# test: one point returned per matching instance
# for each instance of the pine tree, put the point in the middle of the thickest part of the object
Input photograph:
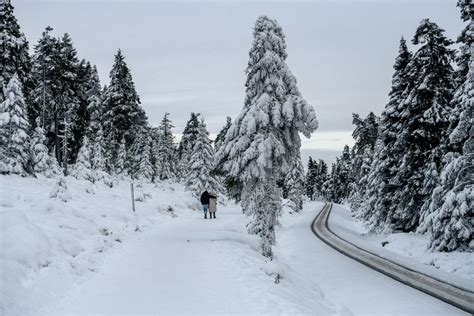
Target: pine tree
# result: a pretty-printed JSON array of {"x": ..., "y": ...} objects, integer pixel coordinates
[
  {"x": 14, "y": 127},
  {"x": 60, "y": 190},
  {"x": 120, "y": 164},
  {"x": 166, "y": 155},
  {"x": 186, "y": 145},
  {"x": 42, "y": 162},
  {"x": 264, "y": 139},
  {"x": 142, "y": 154},
  {"x": 123, "y": 116},
  {"x": 311, "y": 176},
  {"x": 14, "y": 57},
  {"x": 448, "y": 216},
  {"x": 199, "y": 178},
  {"x": 82, "y": 169},
  {"x": 425, "y": 125},
  {"x": 294, "y": 185},
  {"x": 378, "y": 200},
  {"x": 321, "y": 178},
  {"x": 98, "y": 160},
  {"x": 220, "y": 138}
]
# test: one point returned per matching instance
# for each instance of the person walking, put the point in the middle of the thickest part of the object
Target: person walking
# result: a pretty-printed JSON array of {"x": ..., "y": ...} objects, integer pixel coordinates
[
  {"x": 212, "y": 204},
  {"x": 205, "y": 197}
]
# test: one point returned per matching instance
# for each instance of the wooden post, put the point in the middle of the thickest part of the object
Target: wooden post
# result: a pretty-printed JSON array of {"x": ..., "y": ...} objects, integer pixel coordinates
[{"x": 133, "y": 196}]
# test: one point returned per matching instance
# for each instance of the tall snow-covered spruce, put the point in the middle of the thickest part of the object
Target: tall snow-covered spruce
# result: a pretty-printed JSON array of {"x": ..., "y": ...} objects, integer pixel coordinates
[
  {"x": 14, "y": 128},
  {"x": 200, "y": 177},
  {"x": 263, "y": 141},
  {"x": 449, "y": 215}
]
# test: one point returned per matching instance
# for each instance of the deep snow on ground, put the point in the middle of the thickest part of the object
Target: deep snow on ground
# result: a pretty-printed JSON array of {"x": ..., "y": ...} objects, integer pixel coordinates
[
  {"x": 345, "y": 281},
  {"x": 408, "y": 249},
  {"x": 94, "y": 255}
]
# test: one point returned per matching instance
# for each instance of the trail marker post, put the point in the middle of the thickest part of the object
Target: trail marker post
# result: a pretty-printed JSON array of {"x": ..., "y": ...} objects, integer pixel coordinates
[{"x": 133, "y": 196}]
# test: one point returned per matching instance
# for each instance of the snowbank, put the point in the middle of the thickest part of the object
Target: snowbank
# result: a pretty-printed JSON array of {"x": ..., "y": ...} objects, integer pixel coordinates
[
  {"x": 48, "y": 245},
  {"x": 408, "y": 249}
]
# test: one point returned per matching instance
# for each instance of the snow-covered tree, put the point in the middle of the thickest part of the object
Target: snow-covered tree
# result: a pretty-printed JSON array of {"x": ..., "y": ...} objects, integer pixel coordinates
[
  {"x": 94, "y": 104},
  {"x": 82, "y": 169},
  {"x": 448, "y": 216},
  {"x": 98, "y": 160},
  {"x": 123, "y": 116},
  {"x": 60, "y": 190},
  {"x": 220, "y": 138},
  {"x": 311, "y": 176},
  {"x": 166, "y": 151},
  {"x": 199, "y": 178},
  {"x": 321, "y": 178},
  {"x": 294, "y": 185},
  {"x": 378, "y": 200},
  {"x": 186, "y": 145},
  {"x": 142, "y": 153},
  {"x": 14, "y": 127},
  {"x": 424, "y": 125},
  {"x": 263, "y": 141},
  {"x": 14, "y": 57},
  {"x": 121, "y": 163},
  {"x": 41, "y": 160}
]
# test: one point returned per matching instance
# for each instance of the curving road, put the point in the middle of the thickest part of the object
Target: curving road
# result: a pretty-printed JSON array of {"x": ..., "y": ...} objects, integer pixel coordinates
[{"x": 458, "y": 297}]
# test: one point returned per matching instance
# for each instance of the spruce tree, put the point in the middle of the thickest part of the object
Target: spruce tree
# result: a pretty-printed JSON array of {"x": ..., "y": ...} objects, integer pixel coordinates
[
  {"x": 186, "y": 145},
  {"x": 121, "y": 163},
  {"x": 14, "y": 128},
  {"x": 448, "y": 216},
  {"x": 123, "y": 116},
  {"x": 166, "y": 152},
  {"x": 311, "y": 176},
  {"x": 220, "y": 138},
  {"x": 378, "y": 200},
  {"x": 14, "y": 57},
  {"x": 142, "y": 154},
  {"x": 263, "y": 141},
  {"x": 321, "y": 177},
  {"x": 425, "y": 124},
  {"x": 294, "y": 185},
  {"x": 42, "y": 162},
  {"x": 82, "y": 169},
  {"x": 199, "y": 178}
]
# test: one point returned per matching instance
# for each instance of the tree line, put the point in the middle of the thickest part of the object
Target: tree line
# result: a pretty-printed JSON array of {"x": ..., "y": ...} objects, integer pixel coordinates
[{"x": 412, "y": 168}]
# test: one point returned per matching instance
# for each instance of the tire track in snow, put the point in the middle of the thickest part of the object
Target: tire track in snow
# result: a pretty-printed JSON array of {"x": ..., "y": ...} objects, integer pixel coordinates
[{"x": 451, "y": 294}]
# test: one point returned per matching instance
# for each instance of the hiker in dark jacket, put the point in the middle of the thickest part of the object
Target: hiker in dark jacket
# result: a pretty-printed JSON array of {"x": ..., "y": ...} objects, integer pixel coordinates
[{"x": 205, "y": 197}]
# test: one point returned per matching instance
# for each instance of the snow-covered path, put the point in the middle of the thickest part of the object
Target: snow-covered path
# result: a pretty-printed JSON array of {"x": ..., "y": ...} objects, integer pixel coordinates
[
  {"x": 193, "y": 266},
  {"x": 187, "y": 266}
]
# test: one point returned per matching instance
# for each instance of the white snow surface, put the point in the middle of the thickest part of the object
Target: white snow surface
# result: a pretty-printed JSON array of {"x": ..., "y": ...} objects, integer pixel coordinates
[
  {"x": 86, "y": 256},
  {"x": 407, "y": 249}
]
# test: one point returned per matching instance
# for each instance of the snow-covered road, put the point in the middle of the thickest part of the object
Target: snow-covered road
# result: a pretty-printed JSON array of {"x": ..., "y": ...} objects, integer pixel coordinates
[{"x": 194, "y": 266}]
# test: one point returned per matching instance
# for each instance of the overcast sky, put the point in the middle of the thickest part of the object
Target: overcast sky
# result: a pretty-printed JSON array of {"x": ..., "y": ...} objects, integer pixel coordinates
[{"x": 190, "y": 55}]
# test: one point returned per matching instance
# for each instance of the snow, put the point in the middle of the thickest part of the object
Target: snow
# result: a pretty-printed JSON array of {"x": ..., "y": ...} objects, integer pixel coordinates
[
  {"x": 407, "y": 249},
  {"x": 94, "y": 255}
]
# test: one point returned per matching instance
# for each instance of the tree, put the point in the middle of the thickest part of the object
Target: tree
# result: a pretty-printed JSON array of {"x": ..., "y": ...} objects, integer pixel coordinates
[
  {"x": 42, "y": 162},
  {"x": 448, "y": 215},
  {"x": 263, "y": 141},
  {"x": 186, "y": 145},
  {"x": 424, "y": 125},
  {"x": 121, "y": 162},
  {"x": 378, "y": 200},
  {"x": 166, "y": 155},
  {"x": 321, "y": 177},
  {"x": 220, "y": 138},
  {"x": 14, "y": 127},
  {"x": 294, "y": 185},
  {"x": 142, "y": 154},
  {"x": 199, "y": 178},
  {"x": 14, "y": 57},
  {"x": 123, "y": 117},
  {"x": 311, "y": 176},
  {"x": 82, "y": 169}
]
